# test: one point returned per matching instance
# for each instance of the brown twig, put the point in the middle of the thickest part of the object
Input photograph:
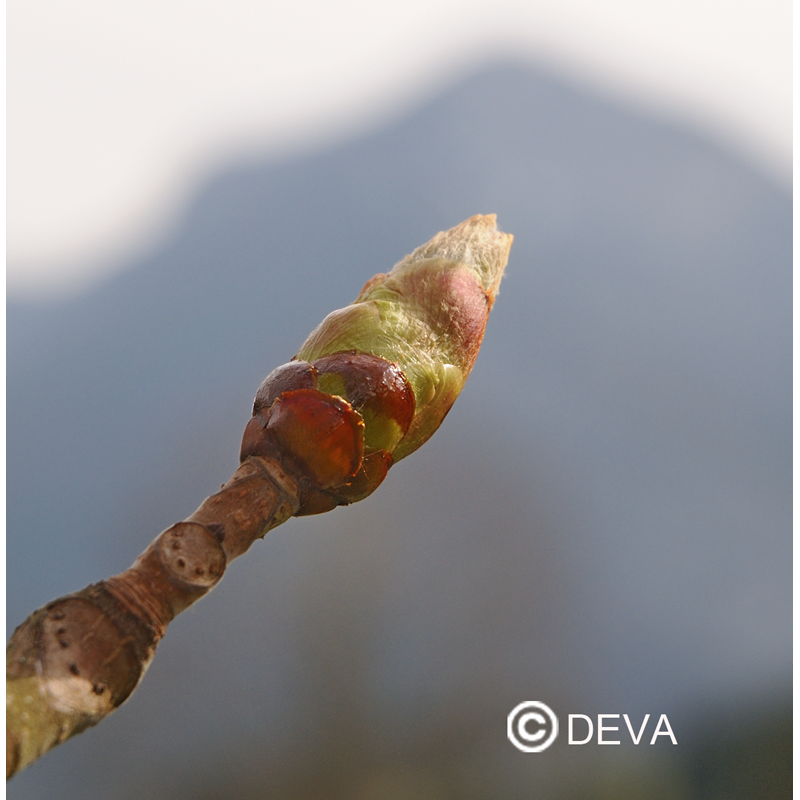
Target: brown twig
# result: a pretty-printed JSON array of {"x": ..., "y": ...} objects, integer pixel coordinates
[{"x": 369, "y": 386}]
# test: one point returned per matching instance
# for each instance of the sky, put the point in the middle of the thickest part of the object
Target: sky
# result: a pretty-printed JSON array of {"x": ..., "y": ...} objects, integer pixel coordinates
[{"x": 117, "y": 112}]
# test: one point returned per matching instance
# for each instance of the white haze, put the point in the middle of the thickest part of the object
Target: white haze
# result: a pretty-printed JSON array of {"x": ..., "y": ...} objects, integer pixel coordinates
[{"x": 117, "y": 111}]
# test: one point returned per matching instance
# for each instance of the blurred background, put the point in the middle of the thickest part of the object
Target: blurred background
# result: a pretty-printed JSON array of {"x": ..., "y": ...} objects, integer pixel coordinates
[{"x": 602, "y": 522}]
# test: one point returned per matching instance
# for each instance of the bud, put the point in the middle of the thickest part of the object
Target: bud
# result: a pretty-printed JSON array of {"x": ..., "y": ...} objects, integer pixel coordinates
[
  {"x": 375, "y": 380},
  {"x": 427, "y": 316}
]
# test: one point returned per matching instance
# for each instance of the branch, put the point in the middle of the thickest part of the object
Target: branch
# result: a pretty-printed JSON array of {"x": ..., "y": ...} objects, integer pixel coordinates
[{"x": 370, "y": 385}]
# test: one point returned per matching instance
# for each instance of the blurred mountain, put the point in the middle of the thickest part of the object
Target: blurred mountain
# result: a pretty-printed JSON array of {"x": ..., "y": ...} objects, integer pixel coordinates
[{"x": 602, "y": 523}]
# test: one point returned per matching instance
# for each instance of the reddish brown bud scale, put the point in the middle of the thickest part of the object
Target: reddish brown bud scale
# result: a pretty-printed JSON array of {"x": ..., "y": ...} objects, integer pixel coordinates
[
  {"x": 377, "y": 389},
  {"x": 373, "y": 470},
  {"x": 321, "y": 433},
  {"x": 294, "y": 375},
  {"x": 306, "y": 415},
  {"x": 256, "y": 439}
]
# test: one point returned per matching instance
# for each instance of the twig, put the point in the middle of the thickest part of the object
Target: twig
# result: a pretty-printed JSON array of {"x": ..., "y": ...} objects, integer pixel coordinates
[{"x": 369, "y": 386}]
